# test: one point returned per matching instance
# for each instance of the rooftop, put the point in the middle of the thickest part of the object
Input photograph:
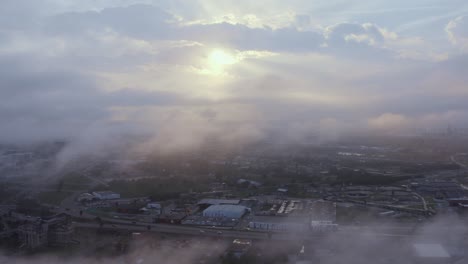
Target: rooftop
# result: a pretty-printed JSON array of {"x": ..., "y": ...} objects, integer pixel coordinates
[
  {"x": 104, "y": 192},
  {"x": 218, "y": 201},
  {"x": 226, "y": 207},
  {"x": 430, "y": 251}
]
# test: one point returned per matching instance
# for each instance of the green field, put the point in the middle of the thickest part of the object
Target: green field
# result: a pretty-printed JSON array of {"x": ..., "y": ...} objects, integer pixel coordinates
[{"x": 52, "y": 197}]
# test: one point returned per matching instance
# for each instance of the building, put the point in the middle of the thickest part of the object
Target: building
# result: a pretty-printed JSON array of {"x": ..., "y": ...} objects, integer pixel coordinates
[
  {"x": 430, "y": 253},
  {"x": 239, "y": 247},
  {"x": 152, "y": 209},
  {"x": 38, "y": 233},
  {"x": 86, "y": 198},
  {"x": 106, "y": 195},
  {"x": 175, "y": 219},
  {"x": 226, "y": 211},
  {"x": 462, "y": 201},
  {"x": 208, "y": 202},
  {"x": 323, "y": 226},
  {"x": 273, "y": 223},
  {"x": 322, "y": 211},
  {"x": 283, "y": 208},
  {"x": 249, "y": 183},
  {"x": 33, "y": 235},
  {"x": 282, "y": 191},
  {"x": 296, "y": 215}
]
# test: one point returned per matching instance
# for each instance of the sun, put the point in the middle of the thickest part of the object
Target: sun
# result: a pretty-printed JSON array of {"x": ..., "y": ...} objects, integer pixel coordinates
[{"x": 219, "y": 59}]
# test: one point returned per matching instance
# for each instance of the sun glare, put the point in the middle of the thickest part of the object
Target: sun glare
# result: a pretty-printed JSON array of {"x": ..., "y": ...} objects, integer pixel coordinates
[
  {"x": 218, "y": 60},
  {"x": 220, "y": 57}
]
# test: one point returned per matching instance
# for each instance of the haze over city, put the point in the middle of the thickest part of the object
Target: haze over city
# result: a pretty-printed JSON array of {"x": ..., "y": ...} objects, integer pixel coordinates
[{"x": 187, "y": 112}]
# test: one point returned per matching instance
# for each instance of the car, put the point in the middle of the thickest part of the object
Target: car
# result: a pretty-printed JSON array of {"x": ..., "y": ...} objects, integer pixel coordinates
[
  {"x": 219, "y": 233},
  {"x": 202, "y": 231}
]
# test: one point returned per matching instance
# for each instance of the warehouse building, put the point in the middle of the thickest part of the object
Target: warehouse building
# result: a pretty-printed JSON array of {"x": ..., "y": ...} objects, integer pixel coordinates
[
  {"x": 106, "y": 195},
  {"x": 430, "y": 253},
  {"x": 273, "y": 223},
  {"x": 226, "y": 210},
  {"x": 209, "y": 201}
]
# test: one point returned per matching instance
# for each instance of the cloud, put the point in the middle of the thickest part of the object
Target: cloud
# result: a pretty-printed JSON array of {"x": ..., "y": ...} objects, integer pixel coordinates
[
  {"x": 190, "y": 127},
  {"x": 395, "y": 124},
  {"x": 366, "y": 40},
  {"x": 457, "y": 32},
  {"x": 242, "y": 37},
  {"x": 147, "y": 248},
  {"x": 390, "y": 123},
  {"x": 141, "y": 21},
  {"x": 151, "y": 23},
  {"x": 42, "y": 102},
  {"x": 94, "y": 72}
]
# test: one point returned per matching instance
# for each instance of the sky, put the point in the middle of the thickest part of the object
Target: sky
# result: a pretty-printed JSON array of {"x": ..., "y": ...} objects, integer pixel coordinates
[{"x": 183, "y": 72}]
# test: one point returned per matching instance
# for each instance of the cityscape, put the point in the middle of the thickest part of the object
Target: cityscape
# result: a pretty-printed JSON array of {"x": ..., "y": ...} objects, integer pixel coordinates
[{"x": 306, "y": 201}]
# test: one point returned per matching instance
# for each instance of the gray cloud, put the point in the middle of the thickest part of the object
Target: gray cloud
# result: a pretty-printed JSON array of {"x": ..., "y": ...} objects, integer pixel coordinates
[
  {"x": 94, "y": 75},
  {"x": 140, "y": 21}
]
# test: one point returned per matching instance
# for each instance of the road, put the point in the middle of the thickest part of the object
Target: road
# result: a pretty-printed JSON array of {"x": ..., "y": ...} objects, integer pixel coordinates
[
  {"x": 454, "y": 160},
  {"x": 389, "y": 230},
  {"x": 345, "y": 231},
  {"x": 423, "y": 201},
  {"x": 395, "y": 230}
]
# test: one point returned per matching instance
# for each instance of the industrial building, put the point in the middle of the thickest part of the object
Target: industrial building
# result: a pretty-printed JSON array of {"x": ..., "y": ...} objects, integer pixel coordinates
[
  {"x": 281, "y": 207},
  {"x": 208, "y": 202},
  {"x": 226, "y": 210},
  {"x": 322, "y": 211},
  {"x": 273, "y": 223},
  {"x": 430, "y": 253},
  {"x": 296, "y": 215},
  {"x": 86, "y": 198},
  {"x": 106, "y": 195},
  {"x": 323, "y": 226},
  {"x": 152, "y": 209}
]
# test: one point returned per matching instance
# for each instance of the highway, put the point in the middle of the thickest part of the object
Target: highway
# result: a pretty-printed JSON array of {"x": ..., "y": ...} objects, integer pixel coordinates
[
  {"x": 401, "y": 231},
  {"x": 392, "y": 230},
  {"x": 385, "y": 231},
  {"x": 178, "y": 230},
  {"x": 344, "y": 231}
]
